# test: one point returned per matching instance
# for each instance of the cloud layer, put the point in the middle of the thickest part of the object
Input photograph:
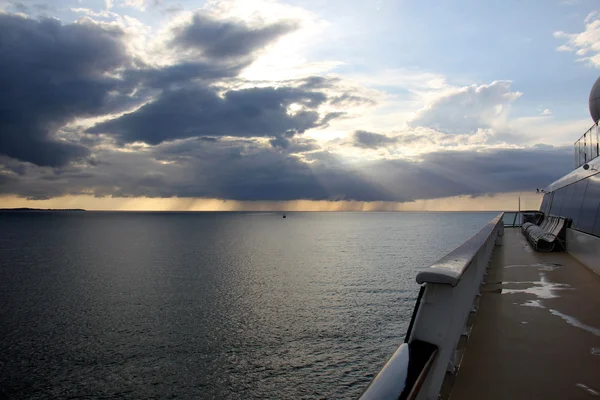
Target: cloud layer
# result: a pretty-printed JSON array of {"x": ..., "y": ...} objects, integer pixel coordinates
[
  {"x": 200, "y": 111},
  {"x": 84, "y": 111},
  {"x": 247, "y": 170},
  {"x": 51, "y": 74}
]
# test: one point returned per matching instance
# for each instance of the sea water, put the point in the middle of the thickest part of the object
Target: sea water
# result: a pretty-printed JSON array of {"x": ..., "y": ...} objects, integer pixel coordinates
[{"x": 210, "y": 305}]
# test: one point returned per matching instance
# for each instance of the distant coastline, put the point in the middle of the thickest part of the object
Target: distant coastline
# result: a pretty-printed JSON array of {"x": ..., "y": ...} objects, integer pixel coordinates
[{"x": 26, "y": 209}]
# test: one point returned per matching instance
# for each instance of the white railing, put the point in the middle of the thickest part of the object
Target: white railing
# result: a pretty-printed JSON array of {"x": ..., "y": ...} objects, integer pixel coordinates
[{"x": 448, "y": 292}]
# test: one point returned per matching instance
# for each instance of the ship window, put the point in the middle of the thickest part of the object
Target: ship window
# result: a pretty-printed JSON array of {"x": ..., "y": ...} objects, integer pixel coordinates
[
  {"x": 589, "y": 207},
  {"x": 557, "y": 201},
  {"x": 572, "y": 204},
  {"x": 566, "y": 208}
]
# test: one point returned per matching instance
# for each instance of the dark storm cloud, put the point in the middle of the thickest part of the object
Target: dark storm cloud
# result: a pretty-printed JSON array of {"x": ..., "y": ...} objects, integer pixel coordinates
[
  {"x": 222, "y": 40},
  {"x": 501, "y": 170},
  {"x": 188, "y": 104},
  {"x": 257, "y": 173},
  {"x": 182, "y": 74},
  {"x": 245, "y": 169},
  {"x": 200, "y": 111},
  {"x": 239, "y": 170},
  {"x": 453, "y": 173},
  {"x": 369, "y": 140},
  {"x": 439, "y": 174},
  {"x": 52, "y": 74},
  {"x": 49, "y": 75}
]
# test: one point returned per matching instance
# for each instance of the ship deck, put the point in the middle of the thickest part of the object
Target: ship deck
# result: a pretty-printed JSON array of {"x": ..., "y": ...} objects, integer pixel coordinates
[{"x": 536, "y": 333}]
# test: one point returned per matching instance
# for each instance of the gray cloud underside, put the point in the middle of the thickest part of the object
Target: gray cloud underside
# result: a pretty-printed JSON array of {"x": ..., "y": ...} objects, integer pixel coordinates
[
  {"x": 225, "y": 40},
  {"x": 52, "y": 74},
  {"x": 370, "y": 140},
  {"x": 199, "y": 111},
  {"x": 247, "y": 170},
  {"x": 49, "y": 75}
]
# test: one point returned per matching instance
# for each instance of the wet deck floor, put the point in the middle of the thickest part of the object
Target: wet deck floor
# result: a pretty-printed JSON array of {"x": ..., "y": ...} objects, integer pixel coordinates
[{"x": 536, "y": 334}]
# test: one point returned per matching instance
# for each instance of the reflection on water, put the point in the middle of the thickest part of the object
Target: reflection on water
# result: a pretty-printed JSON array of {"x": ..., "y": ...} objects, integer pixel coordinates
[{"x": 211, "y": 305}]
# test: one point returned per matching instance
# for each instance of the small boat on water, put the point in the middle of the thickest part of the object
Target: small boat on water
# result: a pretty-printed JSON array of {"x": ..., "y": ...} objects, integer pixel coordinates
[{"x": 284, "y": 215}]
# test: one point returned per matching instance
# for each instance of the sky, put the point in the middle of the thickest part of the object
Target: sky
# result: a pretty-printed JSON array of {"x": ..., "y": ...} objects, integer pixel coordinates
[{"x": 297, "y": 105}]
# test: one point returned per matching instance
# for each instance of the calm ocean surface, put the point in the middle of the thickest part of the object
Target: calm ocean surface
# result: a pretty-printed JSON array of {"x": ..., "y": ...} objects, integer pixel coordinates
[{"x": 210, "y": 305}]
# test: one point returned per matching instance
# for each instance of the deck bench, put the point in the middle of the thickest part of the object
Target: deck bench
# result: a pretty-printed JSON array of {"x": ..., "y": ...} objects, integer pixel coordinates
[{"x": 549, "y": 235}]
